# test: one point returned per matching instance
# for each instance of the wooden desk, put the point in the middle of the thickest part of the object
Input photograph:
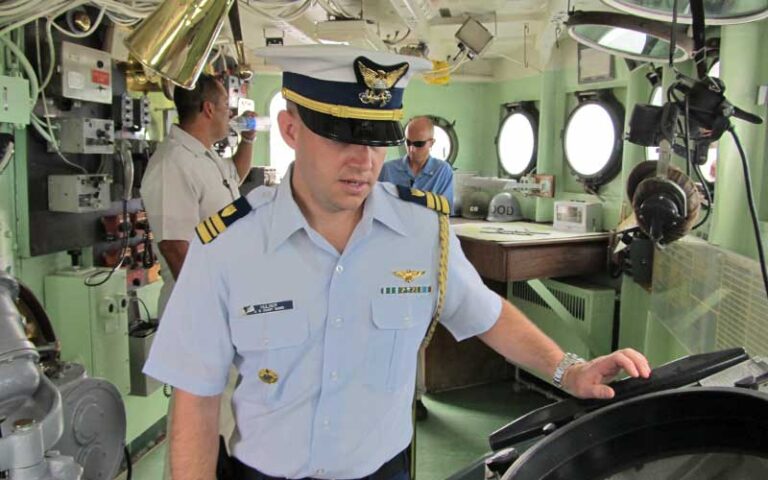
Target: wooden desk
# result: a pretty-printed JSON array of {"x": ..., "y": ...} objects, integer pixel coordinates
[
  {"x": 522, "y": 257},
  {"x": 450, "y": 364}
]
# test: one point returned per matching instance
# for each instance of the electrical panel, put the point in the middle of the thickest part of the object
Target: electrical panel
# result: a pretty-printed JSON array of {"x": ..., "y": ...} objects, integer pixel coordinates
[
  {"x": 132, "y": 115},
  {"x": 236, "y": 89},
  {"x": 15, "y": 106},
  {"x": 86, "y": 73},
  {"x": 87, "y": 135},
  {"x": 78, "y": 193}
]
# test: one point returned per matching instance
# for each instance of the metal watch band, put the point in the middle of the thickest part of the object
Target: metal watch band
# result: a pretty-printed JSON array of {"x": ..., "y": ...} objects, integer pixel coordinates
[{"x": 568, "y": 360}]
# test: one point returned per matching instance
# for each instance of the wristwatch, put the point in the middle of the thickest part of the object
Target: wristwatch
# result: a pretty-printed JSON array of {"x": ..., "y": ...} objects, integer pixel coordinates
[{"x": 568, "y": 361}]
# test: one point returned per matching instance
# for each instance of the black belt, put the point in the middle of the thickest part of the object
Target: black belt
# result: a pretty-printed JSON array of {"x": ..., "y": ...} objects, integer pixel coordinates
[{"x": 398, "y": 464}]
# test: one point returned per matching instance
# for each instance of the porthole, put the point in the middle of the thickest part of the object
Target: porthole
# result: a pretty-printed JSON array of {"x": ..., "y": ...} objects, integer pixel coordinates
[
  {"x": 593, "y": 140},
  {"x": 517, "y": 141},
  {"x": 446, "y": 144}
]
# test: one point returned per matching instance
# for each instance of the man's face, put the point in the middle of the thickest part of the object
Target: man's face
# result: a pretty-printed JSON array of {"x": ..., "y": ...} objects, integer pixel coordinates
[
  {"x": 334, "y": 176},
  {"x": 418, "y": 140},
  {"x": 219, "y": 113}
]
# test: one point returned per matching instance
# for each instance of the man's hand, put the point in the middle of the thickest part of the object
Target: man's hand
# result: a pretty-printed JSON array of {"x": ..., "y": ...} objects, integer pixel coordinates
[
  {"x": 587, "y": 380},
  {"x": 248, "y": 134}
]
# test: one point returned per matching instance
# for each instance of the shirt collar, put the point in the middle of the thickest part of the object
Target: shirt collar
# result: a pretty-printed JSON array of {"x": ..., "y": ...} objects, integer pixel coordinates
[
  {"x": 286, "y": 215},
  {"x": 189, "y": 142},
  {"x": 287, "y": 218},
  {"x": 429, "y": 167},
  {"x": 379, "y": 207}
]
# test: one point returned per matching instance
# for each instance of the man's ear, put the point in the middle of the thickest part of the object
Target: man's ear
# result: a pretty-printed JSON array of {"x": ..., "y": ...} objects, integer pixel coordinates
[
  {"x": 206, "y": 109},
  {"x": 289, "y": 124}
]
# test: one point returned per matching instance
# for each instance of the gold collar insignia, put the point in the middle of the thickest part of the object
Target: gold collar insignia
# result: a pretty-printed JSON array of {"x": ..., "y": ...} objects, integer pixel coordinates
[
  {"x": 379, "y": 79},
  {"x": 408, "y": 275}
]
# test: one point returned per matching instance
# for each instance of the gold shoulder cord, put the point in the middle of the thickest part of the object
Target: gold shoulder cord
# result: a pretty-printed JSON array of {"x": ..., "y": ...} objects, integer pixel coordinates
[{"x": 442, "y": 279}]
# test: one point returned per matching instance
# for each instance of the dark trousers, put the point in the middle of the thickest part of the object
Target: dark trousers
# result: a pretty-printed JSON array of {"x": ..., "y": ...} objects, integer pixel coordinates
[{"x": 398, "y": 468}]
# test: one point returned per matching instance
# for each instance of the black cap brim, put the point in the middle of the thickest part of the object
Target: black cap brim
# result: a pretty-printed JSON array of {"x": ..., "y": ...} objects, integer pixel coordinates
[{"x": 374, "y": 133}]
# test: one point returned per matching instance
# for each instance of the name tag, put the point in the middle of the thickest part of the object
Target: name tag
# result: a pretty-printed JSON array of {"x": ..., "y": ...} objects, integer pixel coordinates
[{"x": 268, "y": 307}]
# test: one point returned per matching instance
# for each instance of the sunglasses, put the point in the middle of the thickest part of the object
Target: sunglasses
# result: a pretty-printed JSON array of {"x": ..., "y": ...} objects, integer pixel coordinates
[{"x": 416, "y": 143}]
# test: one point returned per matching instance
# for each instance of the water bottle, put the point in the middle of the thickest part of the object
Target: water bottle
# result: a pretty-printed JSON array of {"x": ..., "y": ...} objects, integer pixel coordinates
[{"x": 247, "y": 123}]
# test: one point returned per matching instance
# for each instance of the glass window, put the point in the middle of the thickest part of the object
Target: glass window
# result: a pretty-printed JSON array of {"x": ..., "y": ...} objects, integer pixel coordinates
[
  {"x": 442, "y": 147},
  {"x": 592, "y": 141},
  {"x": 280, "y": 154},
  {"x": 446, "y": 146},
  {"x": 516, "y": 145}
]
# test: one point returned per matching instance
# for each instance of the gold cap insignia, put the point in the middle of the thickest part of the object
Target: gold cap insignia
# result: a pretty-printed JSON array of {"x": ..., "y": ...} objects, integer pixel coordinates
[
  {"x": 268, "y": 376},
  {"x": 408, "y": 275},
  {"x": 379, "y": 79}
]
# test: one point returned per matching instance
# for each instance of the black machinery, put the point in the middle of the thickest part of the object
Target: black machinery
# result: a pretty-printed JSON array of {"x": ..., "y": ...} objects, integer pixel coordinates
[{"x": 702, "y": 417}]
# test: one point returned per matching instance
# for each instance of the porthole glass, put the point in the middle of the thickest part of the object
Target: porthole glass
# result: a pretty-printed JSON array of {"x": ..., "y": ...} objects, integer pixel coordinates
[
  {"x": 517, "y": 142},
  {"x": 657, "y": 99},
  {"x": 592, "y": 141},
  {"x": 442, "y": 147},
  {"x": 446, "y": 146}
]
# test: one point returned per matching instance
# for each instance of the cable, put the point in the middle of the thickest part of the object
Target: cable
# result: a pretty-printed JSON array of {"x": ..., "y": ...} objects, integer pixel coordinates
[
  {"x": 51, "y": 138},
  {"x": 87, "y": 32},
  {"x": 751, "y": 203},
  {"x": 128, "y": 463},
  {"x": 89, "y": 280},
  {"x": 146, "y": 309},
  {"x": 690, "y": 164}
]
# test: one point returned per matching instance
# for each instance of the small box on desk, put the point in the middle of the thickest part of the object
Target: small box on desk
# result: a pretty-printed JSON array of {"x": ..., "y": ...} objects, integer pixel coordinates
[{"x": 578, "y": 216}]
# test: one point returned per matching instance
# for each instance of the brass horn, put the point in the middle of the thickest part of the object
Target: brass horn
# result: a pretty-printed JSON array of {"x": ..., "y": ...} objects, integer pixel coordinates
[{"x": 176, "y": 39}]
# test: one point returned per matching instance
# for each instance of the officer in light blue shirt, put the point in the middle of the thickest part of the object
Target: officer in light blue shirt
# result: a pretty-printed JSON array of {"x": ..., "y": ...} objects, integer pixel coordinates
[
  {"x": 419, "y": 169},
  {"x": 320, "y": 291}
]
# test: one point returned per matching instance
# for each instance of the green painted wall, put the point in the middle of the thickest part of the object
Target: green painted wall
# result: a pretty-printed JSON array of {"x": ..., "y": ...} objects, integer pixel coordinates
[{"x": 476, "y": 109}]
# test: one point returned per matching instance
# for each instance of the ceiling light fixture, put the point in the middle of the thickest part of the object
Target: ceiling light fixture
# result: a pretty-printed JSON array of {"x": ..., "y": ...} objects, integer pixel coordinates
[
  {"x": 627, "y": 36},
  {"x": 717, "y": 12}
]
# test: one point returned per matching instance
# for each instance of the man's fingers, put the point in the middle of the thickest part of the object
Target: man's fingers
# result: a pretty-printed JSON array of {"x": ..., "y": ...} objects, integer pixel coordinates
[
  {"x": 640, "y": 361},
  {"x": 601, "y": 391}
]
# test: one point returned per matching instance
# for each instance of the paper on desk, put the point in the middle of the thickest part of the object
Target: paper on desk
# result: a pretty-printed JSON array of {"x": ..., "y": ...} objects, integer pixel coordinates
[{"x": 517, "y": 232}]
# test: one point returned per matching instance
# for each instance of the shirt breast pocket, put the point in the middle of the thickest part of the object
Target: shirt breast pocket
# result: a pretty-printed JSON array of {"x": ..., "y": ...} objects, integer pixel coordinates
[
  {"x": 400, "y": 323},
  {"x": 270, "y": 345}
]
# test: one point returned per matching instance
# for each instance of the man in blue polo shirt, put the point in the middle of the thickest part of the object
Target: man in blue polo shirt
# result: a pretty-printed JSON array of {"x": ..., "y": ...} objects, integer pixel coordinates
[{"x": 418, "y": 169}]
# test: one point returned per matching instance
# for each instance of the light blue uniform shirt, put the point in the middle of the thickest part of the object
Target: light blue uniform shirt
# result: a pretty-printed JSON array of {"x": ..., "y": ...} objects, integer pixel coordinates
[
  {"x": 436, "y": 176},
  {"x": 271, "y": 293}
]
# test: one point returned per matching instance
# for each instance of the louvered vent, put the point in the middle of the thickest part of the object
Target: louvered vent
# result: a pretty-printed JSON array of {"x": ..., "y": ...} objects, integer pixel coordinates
[
  {"x": 592, "y": 306},
  {"x": 575, "y": 304}
]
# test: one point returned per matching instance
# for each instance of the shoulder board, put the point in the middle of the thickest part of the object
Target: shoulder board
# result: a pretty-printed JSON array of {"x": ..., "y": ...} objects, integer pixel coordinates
[
  {"x": 213, "y": 226},
  {"x": 430, "y": 200}
]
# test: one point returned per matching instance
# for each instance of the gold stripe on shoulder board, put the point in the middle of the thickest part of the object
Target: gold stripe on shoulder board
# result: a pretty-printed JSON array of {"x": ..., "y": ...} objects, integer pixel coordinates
[
  {"x": 430, "y": 200},
  {"x": 213, "y": 226}
]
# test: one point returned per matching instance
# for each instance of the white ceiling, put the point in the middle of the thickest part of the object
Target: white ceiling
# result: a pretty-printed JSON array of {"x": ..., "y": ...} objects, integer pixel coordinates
[{"x": 524, "y": 30}]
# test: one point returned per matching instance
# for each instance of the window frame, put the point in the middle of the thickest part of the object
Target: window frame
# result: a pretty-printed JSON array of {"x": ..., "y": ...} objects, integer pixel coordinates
[
  {"x": 615, "y": 110},
  {"x": 531, "y": 113}
]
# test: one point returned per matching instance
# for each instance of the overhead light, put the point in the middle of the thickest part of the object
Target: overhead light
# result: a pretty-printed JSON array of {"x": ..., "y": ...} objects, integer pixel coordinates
[
  {"x": 416, "y": 14},
  {"x": 360, "y": 33},
  {"x": 176, "y": 39},
  {"x": 474, "y": 36},
  {"x": 716, "y": 13},
  {"x": 627, "y": 36}
]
